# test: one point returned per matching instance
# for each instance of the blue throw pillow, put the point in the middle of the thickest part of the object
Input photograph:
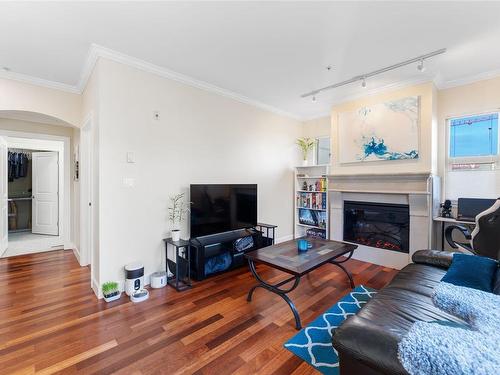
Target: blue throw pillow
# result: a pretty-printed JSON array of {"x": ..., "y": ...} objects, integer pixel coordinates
[{"x": 472, "y": 271}]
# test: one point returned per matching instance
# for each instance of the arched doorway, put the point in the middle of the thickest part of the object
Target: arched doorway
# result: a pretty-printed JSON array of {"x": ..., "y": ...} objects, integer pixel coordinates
[{"x": 34, "y": 131}]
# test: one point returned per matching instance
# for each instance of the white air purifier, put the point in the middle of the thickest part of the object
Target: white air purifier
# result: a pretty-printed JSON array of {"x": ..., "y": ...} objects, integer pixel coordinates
[
  {"x": 134, "y": 278},
  {"x": 158, "y": 279}
]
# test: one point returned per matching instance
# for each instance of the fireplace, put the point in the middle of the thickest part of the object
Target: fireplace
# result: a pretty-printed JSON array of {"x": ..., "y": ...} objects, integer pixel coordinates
[{"x": 380, "y": 225}]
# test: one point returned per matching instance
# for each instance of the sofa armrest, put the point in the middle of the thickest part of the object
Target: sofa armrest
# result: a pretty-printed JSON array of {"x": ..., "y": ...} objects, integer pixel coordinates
[{"x": 435, "y": 258}]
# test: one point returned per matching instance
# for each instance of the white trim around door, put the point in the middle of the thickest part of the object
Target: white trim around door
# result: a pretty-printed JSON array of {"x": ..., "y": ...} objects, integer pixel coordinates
[{"x": 37, "y": 141}]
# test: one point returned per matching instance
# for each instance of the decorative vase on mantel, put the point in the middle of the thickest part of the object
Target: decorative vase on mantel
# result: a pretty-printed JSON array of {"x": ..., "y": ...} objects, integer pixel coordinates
[
  {"x": 176, "y": 235},
  {"x": 305, "y": 162}
]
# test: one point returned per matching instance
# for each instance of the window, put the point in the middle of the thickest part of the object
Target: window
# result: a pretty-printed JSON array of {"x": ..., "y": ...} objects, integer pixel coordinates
[
  {"x": 323, "y": 151},
  {"x": 474, "y": 136},
  {"x": 473, "y": 155}
]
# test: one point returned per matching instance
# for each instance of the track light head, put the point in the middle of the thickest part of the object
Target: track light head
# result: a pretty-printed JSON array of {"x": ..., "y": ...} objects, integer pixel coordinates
[
  {"x": 363, "y": 82},
  {"x": 420, "y": 66}
]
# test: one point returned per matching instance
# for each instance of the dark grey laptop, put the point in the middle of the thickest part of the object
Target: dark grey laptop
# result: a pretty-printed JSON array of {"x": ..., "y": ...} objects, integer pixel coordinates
[{"x": 469, "y": 208}]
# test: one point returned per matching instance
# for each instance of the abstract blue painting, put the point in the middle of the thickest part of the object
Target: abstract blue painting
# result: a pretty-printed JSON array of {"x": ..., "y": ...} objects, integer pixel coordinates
[{"x": 386, "y": 131}]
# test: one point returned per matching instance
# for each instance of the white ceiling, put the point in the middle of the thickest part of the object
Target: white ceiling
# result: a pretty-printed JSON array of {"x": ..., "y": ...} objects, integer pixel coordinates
[{"x": 268, "y": 52}]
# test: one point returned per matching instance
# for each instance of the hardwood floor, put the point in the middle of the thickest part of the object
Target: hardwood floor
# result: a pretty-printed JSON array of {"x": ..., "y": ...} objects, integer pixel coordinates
[{"x": 51, "y": 322}]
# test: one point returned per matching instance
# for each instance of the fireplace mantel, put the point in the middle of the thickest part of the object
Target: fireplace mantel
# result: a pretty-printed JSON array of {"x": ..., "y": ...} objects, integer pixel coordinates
[
  {"x": 420, "y": 191},
  {"x": 408, "y": 183}
]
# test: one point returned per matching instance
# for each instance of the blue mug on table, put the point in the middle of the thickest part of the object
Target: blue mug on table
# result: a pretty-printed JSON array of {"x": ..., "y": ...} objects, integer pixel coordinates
[{"x": 303, "y": 245}]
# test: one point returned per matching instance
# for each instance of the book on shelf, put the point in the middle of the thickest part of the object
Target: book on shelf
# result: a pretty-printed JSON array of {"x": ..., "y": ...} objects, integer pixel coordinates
[
  {"x": 312, "y": 232},
  {"x": 315, "y": 201},
  {"x": 312, "y": 218}
]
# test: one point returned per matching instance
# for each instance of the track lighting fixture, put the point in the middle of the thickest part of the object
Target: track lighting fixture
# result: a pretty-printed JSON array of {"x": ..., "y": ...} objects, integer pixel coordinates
[
  {"x": 420, "y": 66},
  {"x": 364, "y": 77}
]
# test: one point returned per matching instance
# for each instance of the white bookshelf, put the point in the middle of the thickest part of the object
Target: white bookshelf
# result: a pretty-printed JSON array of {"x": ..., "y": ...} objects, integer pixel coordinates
[{"x": 312, "y": 201}]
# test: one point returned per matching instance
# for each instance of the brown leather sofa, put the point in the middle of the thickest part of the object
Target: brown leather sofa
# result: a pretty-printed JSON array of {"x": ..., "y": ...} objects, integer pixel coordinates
[{"x": 367, "y": 343}]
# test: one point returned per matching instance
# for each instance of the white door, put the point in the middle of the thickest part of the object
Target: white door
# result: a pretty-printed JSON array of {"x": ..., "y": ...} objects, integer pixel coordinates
[
  {"x": 86, "y": 181},
  {"x": 4, "y": 211},
  {"x": 45, "y": 172}
]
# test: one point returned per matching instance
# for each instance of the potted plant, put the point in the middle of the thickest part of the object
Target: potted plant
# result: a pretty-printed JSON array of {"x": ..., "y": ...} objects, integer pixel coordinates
[
  {"x": 110, "y": 291},
  {"x": 177, "y": 212},
  {"x": 305, "y": 144}
]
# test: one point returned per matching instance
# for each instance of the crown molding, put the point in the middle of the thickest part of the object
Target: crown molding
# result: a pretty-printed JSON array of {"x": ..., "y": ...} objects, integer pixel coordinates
[
  {"x": 442, "y": 85},
  {"x": 88, "y": 67},
  {"x": 97, "y": 52},
  {"x": 39, "y": 82}
]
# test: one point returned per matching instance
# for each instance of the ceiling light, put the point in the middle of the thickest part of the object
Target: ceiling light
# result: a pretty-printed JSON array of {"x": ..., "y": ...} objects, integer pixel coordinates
[
  {"x": 420, "y": 66},
  {"x": 363, "y": 77}
]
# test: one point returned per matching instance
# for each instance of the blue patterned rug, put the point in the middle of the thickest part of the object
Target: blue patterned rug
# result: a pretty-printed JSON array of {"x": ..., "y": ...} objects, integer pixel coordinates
[{"x": 314, "y": 343}]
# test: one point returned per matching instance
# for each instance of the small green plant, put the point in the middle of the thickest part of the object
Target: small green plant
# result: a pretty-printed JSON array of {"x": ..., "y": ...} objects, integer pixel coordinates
[
  {"x": 305, "y": 144},
  {"x": 177, "y": 211},
  {"x": 109, "y": 288}
]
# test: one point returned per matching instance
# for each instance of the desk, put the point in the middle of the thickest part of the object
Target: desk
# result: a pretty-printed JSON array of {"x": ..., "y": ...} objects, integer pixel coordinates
[{"x": 450, "y": 220}]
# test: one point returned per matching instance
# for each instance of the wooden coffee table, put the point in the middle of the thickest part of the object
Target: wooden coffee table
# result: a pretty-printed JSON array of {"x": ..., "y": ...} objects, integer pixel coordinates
[{"x": 286, "y": 257}]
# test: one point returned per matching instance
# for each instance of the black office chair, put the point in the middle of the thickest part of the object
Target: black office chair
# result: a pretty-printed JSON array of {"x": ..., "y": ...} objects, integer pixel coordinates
[{"x": 484, "y": 239}]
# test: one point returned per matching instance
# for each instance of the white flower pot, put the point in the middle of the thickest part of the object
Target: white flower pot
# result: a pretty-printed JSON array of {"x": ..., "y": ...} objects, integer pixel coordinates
[
  {"x": 176, "y": 235},
  {"x": 112, "y": 298},
  {"x": 305, "y": 163}
]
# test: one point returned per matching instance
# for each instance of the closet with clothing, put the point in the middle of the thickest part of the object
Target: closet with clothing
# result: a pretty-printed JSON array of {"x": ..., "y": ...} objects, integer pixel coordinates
[
  {"x": 32, "y": 189},
  {"x": 33, "y": 193},
  {"x": 20, "y": 190}
]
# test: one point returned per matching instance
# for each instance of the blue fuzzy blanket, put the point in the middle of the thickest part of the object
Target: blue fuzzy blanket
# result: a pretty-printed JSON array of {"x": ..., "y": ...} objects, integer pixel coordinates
[{"x": 448, "y": 348}]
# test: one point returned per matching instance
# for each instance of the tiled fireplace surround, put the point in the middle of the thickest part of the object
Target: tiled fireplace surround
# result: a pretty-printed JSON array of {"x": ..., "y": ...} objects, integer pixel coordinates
[{"x": 419, "y": 191}]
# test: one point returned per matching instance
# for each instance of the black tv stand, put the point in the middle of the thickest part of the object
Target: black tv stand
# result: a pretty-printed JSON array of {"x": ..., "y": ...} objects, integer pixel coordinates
[{"x": 203, "y": 248}]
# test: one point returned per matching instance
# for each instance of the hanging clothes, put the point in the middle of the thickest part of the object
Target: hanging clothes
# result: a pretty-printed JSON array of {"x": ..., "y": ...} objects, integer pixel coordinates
[
  {"x": 23, "y": 165},
  {"x": 18, "y": 165}
]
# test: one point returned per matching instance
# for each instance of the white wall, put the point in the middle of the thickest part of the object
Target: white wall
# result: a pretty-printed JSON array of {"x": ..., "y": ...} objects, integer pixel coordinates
[
  {"x": 318, "y": 127},
  {"x": 20, "y": 96},
  {"x": 91, "y": 114},
  {"x": 200, "y": 138},
  {"x": 478, "y": 97}
]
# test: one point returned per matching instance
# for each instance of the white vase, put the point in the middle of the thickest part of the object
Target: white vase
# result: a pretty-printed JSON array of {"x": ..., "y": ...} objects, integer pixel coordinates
[
  {"x": 305, "y": 163},
  {"x": 176, "y": 235}
]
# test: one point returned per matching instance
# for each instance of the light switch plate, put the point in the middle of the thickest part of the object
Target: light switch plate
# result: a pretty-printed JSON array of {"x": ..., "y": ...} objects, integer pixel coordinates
[
  {"x": 130, "y": 157},
  {"x": 128, "y": 181}
]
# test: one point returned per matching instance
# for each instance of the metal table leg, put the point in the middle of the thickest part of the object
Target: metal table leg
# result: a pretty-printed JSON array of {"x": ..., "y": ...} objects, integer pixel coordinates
[
  {"x": 442, "y": 236},
  {"x": 338, "y": 264},
  {"x": 277, "y": 290}
]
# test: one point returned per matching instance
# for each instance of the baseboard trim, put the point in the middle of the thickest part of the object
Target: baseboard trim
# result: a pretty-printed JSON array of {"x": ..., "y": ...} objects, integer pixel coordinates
[
  {"x": 96, "y": 289},
  {"x": 284, "y": 238},
  {"x": 76, "y": 251}
]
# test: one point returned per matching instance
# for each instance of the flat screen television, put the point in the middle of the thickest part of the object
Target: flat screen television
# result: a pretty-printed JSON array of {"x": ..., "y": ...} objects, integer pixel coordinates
[{"x": 218, "y": 208}]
